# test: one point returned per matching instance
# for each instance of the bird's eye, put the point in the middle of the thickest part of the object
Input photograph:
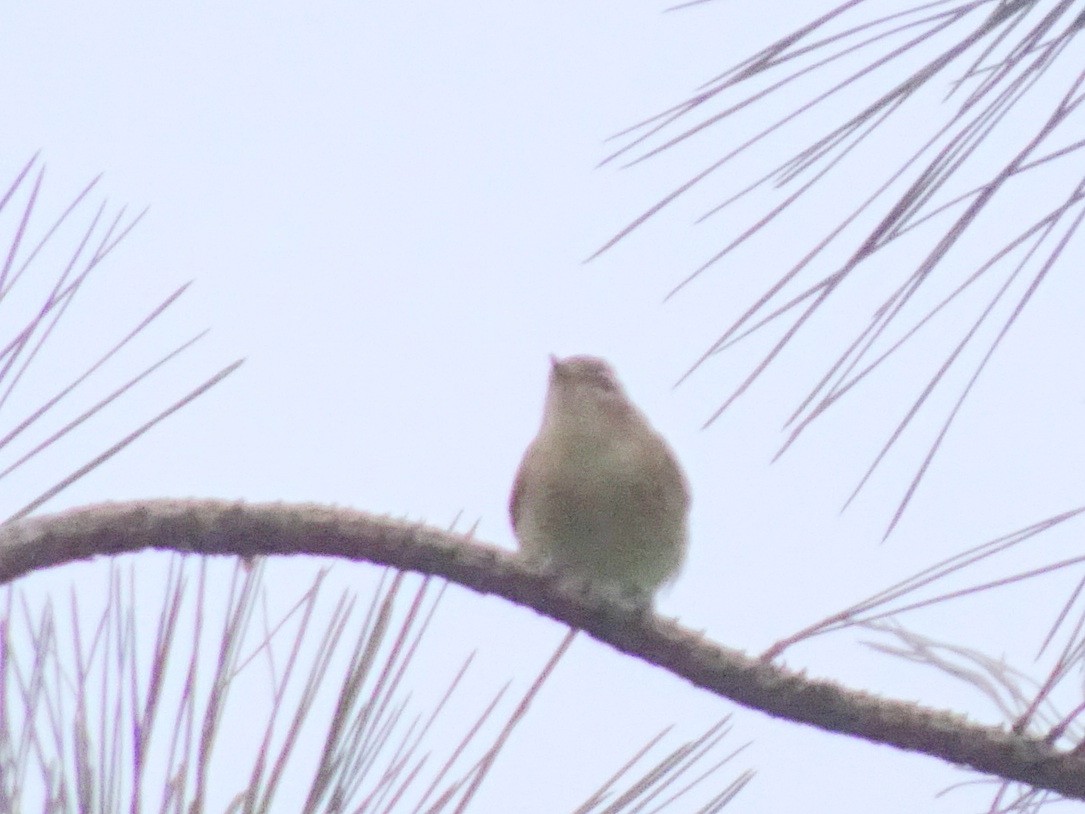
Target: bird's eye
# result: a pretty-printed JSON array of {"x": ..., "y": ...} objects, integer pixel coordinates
[
  {"x": 588, "y": 372},
  {"x": 604, "y": 380}
]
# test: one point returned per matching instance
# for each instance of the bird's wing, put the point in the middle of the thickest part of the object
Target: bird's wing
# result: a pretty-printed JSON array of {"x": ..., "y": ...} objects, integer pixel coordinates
[
  {"x": 678, "y": 476},
  {"x": 519, "y": 485}
]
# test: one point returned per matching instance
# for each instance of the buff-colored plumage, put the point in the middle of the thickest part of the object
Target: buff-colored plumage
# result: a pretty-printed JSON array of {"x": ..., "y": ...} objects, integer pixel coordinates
[{"x": 599, "y": 495}]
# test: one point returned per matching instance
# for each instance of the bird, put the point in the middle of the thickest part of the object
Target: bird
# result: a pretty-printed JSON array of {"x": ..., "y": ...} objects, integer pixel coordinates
[{"x": 599, "y": 495}]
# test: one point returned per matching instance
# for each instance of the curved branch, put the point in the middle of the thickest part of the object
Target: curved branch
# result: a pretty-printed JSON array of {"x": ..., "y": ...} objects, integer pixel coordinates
[{"x": 234, "y": 528}]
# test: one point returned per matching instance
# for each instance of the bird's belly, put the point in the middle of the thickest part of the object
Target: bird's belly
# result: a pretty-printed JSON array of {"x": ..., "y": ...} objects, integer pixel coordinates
[{"x": 597, "y": 528}]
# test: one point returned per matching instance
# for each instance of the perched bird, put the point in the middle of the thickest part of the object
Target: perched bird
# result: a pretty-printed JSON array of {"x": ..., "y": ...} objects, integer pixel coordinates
[{"x": 599, "y": 495}]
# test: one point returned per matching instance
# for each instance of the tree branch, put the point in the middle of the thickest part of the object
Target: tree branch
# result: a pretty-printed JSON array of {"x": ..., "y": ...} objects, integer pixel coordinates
[{"x": 235, "y": 528}]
